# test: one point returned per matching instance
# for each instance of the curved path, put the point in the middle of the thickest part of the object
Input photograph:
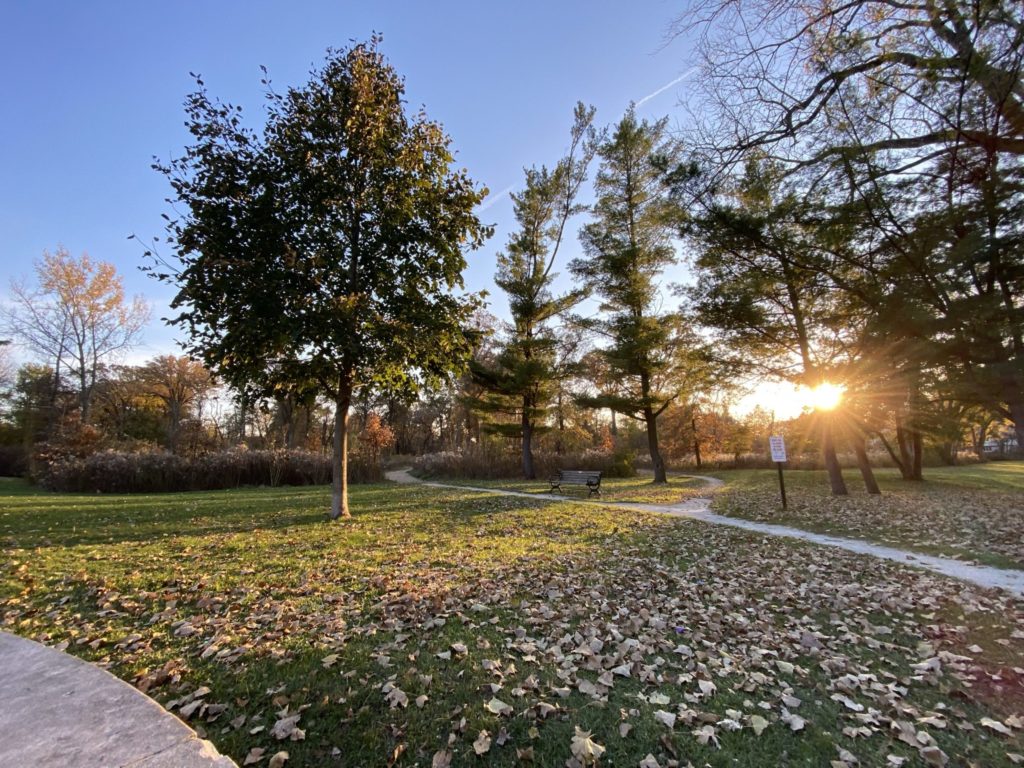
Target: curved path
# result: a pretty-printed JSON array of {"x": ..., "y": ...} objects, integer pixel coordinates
[
  {"x": 56, "y": 710},
  {"x": 700, "y": 509}
]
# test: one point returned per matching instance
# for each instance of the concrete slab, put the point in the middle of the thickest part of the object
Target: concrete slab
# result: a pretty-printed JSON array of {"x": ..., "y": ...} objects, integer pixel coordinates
[{"x": 56, "y": 710}]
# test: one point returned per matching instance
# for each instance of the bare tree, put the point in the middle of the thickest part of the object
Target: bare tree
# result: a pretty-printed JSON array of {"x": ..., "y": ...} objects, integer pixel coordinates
[
  {"x": 7, "y": 367},
  {"x": 785, "y": 78},
  {"x": 76, "y": 317}
]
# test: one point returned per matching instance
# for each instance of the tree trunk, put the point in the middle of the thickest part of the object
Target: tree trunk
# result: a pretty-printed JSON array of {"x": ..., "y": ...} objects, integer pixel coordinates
[
  {"x": 559, "y": 444},
  {"x": 52, "y": 421},
  {"x": 864, "y": 464},
  {"x": 835, "y": 472},
  {"x": 917, "y": 444},
  {"x": 84, "y": 400},
  {"x": 615, "y": 425},
  {"x": 652, "y": 431},
  {"x": 339, "y": 481},
  {"x": 912, "y": 445},
  {"x": 652, "y": 446},
  {"x": 173, "y": 426},
  {"x": 979, "y": 439},
  {"x": 906, "y": 463},
  {"x": 1016, "y": 408},
  {"x": 529, "y": 473},
  {"x": 696, "y": 440},
  {"x": 911, "y": 452}
]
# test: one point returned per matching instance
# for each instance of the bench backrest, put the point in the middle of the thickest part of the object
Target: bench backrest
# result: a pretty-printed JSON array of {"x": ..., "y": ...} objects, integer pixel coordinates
[{"x": 578, "y": 475}]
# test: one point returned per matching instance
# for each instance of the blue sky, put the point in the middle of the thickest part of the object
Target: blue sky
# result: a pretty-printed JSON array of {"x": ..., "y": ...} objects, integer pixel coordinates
[{"x": 95, "y": 90}]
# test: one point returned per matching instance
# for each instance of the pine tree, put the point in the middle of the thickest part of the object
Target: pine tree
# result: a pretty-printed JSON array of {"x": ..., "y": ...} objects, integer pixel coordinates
[
  {"x": 628, "y": 244},
  {"x": 522, "y": 381}
]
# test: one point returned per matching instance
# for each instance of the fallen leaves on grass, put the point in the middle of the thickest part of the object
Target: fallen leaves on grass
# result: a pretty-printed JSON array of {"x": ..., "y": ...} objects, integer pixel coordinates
[
  {"x": 482, "y": 745},
  {"x": 715, "y": 635},
  {"x": 584, "y": 749},
  {"x": 930, "y": 516}
]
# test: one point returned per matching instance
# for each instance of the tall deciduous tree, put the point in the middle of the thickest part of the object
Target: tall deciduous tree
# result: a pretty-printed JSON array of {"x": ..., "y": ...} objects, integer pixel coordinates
[
  {"x": 628, "y": 245},
  {"x": 77, "y": 318},
  {"x": 178, "y": 382},
  {"x": 8, "y": 370},
  {"x": 785, "y": 78},
  {"x": 324, "y": 254},
  {"x": 522, "y": 381}
]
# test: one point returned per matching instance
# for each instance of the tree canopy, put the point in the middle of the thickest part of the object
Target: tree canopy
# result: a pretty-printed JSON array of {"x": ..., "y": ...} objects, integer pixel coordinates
[
  {"x": 77, "y": 317},
  {"x": 627, "y": 245},
  {"x": 325, "y": 252},
  {"x": 521, "y": 381}
]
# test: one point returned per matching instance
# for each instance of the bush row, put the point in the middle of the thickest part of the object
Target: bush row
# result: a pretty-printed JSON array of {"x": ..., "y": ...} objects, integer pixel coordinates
[
  {"x": 481, "y": 466},
  {"x": 157, "y": 472},
  {"x": 486, "y": 466}
]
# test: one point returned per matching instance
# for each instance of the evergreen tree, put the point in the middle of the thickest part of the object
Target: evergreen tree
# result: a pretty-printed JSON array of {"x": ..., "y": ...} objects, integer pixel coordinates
[
  {"x": 627, "y": 246},
  {"x": 518, "y": 387},
  {"x": 760, "y": 286}
]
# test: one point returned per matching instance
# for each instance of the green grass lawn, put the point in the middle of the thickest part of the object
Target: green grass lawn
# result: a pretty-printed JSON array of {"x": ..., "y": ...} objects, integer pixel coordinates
[
  {"x": 437, "y": 619},
  {"x": 974, "y": 512},
  {"x": 633, "y": 489}
]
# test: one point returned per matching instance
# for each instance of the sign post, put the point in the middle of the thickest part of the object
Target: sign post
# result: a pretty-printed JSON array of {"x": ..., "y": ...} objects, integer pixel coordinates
[{"x": 778, "y": 449}]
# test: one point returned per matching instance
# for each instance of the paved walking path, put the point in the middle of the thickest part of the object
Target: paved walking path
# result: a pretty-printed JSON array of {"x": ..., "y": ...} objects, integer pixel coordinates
[
  {"x": 56, "y": 710},
  {"x": 700, "y": 509}
]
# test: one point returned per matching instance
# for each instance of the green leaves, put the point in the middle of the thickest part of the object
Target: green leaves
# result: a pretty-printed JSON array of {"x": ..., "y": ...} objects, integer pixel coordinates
[
  {"x": 521, "y": 379},
  {"x": 324, "y": 254},
  {"x": 330, "y": 246}
]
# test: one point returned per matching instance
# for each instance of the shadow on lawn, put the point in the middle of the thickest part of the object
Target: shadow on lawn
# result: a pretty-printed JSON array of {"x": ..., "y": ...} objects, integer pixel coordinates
[
  {"x": 67, "y": 520},
  {"x": 63, "y": 520}
]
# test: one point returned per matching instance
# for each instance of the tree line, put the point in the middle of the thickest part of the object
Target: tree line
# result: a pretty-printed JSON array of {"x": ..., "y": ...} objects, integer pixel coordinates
[{"x": 847, "y": 195}]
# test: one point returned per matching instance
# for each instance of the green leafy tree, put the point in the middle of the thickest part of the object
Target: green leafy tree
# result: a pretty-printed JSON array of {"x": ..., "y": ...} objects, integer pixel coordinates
[
  {"x": 324, "y": 254},
  {"x": 628, "y": 245},
  {"x": 521, "y": 383},
  {"x": 124, "y": 410},
  {"x": 33, "y": 402}
]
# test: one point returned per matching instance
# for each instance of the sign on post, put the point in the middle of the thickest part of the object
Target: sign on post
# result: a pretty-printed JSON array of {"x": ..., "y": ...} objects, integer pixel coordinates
[{"x": 777, "y": 446}]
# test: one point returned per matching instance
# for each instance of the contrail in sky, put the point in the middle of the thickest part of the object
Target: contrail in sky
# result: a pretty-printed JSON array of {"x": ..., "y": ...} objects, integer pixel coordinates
[
  {"x": 666, "y": 86},
  {"x": 494, "y": 197}
]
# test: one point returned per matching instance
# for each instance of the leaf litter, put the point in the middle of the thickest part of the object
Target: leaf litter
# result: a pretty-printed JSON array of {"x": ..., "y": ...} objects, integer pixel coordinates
[{"x": 723, "y": 633}]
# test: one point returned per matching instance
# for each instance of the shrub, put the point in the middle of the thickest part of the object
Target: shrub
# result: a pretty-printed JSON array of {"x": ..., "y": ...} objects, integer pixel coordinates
[
  {"x": 485, "y": 466},
  {"x": 158, "y": 472}
]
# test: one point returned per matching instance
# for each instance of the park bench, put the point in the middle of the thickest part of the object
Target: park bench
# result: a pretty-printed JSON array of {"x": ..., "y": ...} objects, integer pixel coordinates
[{"x": 590, "y": 479}]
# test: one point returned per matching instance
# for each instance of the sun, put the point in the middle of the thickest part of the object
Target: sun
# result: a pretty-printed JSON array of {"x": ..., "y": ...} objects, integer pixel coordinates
[
  {"x": 825, "y": 397},
  {"x": 785, "y": 400}
]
